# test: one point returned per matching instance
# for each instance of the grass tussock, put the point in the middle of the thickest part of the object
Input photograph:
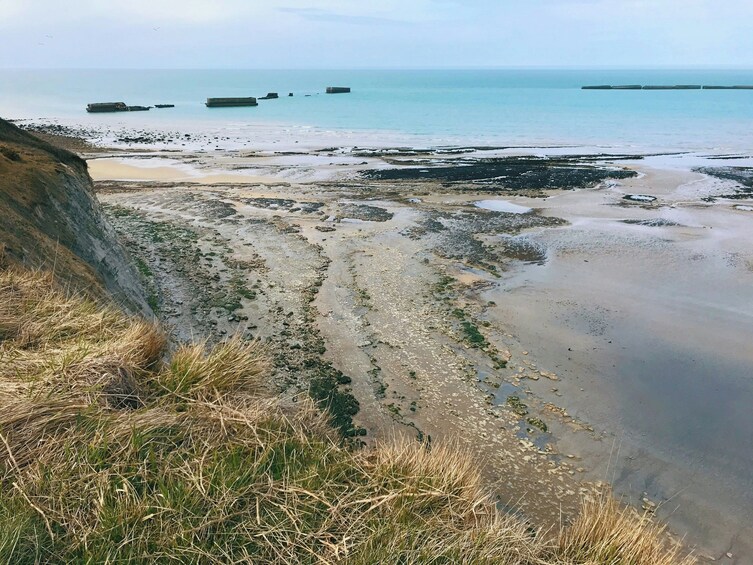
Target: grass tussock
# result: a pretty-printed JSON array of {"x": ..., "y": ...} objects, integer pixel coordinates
[
  {"x": 55, "y": 343},
  {"x": 206, "y": 466},
  {"x": 606, "y": 532},
  {"x": 230, "y": 367}
]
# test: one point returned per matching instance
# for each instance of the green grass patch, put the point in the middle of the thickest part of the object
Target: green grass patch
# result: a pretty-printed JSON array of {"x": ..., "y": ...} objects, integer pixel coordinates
[
  {"x": 144, "y": 268},
  {"x": 445, "y": 284},
  {"x": 472, "y": 334},
  {"x": 538, "y": 423},
  {"x": 153, "y": 300},
  {"x": 517, "y": 405}
]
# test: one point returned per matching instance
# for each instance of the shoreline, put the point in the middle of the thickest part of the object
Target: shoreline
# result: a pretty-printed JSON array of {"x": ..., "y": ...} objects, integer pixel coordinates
[
  {"x": 357, "y": 266},
  {"x": 209, "y": 136}
]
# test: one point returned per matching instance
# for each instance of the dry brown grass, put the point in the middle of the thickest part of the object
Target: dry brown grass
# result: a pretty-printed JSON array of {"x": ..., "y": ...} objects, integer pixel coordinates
[
  {"x": 53, "y": 342},
  {"x": 46, "y": 210},
  {"x": 206, "y": 466},
  {"x": 607, "y": 532},
  {"x": 231, "y": 367}
]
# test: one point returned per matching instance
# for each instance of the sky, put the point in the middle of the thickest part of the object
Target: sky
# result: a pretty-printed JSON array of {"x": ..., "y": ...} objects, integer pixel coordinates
[{"x": 330, "y": 34}]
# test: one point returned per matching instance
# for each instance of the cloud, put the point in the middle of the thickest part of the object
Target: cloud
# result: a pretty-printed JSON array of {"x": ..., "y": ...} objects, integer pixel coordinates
[
  {"x": 385, "y": 33},
  {"x": 14, "y": 12},
  {"x": 319, "y": 15},
  {"x": 11, "y": 10}
]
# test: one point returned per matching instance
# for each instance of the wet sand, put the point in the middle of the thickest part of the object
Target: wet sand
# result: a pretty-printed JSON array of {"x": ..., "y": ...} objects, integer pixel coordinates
[
  {"x": 629, "y": 341},
  {"x": 165, "y": 170},
  {"x": 649, "y": 328}
]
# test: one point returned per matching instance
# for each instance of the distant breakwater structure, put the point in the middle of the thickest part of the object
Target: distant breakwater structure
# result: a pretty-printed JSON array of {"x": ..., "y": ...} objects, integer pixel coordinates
[
  {"x": 103, "y": 107},
  {"x": 665, "y": 87},
  {"x": 228, "y": 102}
]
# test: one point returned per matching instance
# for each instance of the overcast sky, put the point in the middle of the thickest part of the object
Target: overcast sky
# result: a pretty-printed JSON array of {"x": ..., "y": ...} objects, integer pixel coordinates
[{"x": 369, "y": 33}]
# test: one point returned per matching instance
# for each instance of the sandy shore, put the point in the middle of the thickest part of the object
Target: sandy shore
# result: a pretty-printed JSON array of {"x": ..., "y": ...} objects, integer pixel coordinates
[
  {"x": 593, "y": 339},
  {"x": 169, "y": 171}
]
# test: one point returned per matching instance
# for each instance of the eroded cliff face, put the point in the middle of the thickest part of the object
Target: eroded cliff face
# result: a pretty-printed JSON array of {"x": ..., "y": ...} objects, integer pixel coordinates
[{"x": 50, "y": 219}]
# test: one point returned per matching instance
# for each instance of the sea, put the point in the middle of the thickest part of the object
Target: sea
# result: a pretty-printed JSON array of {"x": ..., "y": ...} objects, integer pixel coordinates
[{"x": 407, "y": 107}]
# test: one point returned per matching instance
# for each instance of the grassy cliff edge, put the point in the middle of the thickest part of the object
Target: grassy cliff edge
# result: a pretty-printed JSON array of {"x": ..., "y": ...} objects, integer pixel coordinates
[
  {"x": 52, "y": 220},
  {"x": 113, "y": 452}
]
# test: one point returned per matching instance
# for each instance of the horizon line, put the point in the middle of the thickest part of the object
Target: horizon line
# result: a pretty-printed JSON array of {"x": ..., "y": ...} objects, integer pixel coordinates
[{"x": 406, "y": 68}]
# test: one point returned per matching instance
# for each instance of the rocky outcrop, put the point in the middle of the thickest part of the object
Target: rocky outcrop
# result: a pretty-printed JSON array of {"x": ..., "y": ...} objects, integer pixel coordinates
[{"x": 52, "y": 220}]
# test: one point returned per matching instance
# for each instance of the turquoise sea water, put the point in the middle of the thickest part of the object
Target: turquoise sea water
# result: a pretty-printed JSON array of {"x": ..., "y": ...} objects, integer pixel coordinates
[{"x": 503, "y": 107}]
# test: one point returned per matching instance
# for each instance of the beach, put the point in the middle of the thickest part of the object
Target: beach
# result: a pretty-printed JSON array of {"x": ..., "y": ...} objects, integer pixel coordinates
[{"x": 573, "y": 317}]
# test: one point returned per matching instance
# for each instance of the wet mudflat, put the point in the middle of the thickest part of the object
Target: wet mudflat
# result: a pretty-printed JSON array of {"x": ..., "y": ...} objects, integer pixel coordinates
[
  {"x": 648, "y": 323},
  {"x": 588, "y": 338},
  {"x": 339, "y": 284}
]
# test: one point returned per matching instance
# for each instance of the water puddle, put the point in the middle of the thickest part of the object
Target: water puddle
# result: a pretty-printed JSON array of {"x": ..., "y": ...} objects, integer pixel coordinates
[{"x": 502, "y": 206}]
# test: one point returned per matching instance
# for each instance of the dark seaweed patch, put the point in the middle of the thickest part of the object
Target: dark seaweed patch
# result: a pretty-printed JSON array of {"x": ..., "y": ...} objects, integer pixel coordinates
[
  {"x": 510, "y": 173},
  {"x": 365, "y": 213},
  {"x": 457, "y": 236},
  {"x": 652, "y": 223},
  {"x": 741, "y": 176}
]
